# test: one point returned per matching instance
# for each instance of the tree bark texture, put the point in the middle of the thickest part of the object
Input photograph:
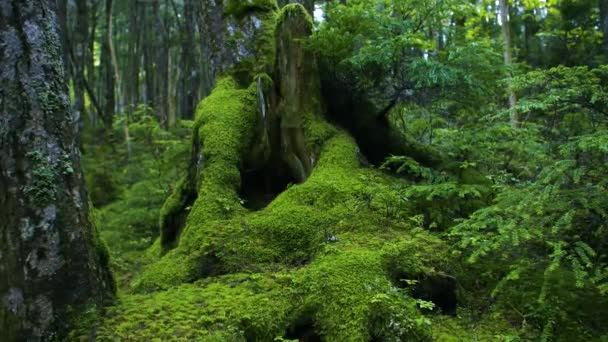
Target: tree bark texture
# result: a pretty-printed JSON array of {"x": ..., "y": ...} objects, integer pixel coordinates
[{"x": 50, "y": 259}]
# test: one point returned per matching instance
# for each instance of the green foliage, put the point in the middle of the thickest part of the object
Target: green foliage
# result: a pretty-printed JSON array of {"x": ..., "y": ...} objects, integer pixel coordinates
[
  {"x": 567, "y": 101},
  {"x": 383, "y": 48},
  {"x": 553, "y": 225}
]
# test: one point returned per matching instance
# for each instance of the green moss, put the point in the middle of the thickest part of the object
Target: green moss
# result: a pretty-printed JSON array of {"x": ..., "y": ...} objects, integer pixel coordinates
[
  {"x": 352, "y": 300},
  {"x": 42, "y": 188},
  {"x": 239, "y": 307},
  {"x": 290, "y": 232},
  {"x": 262, "y": 44},
  {"x": 294, "y": 9},
  {"x": 420, "y": 253},
  {"x": 466, "y": 329},
  {"x": 265, "y": 44},
  {"x": 323, "y": 251},
  {"x": 225, "y": 122},
  {"x": 238, "y": 8}
]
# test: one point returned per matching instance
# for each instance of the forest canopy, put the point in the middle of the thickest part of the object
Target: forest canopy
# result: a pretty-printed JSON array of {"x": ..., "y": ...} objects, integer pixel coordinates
[{"x": 304, "y": 170}]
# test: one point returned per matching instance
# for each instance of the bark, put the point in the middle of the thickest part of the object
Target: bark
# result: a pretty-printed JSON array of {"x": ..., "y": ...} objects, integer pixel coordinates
[
  {"x": 507, "y": 54},
  {"x": 50, "y": 260},
  {"x": 297, "y": 84},
  {"x": 62, "y": 15}
]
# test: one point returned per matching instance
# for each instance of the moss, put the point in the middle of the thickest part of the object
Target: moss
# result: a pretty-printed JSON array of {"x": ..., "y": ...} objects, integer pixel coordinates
[
  {"x": 261, "y": 19},
  {"x": 420, "y": 253},
  {"x": 225, "y": 122},
  {"x": 174, "y": 211},
  {"x": 327, "y": 250},
  {"x": 294, "y": 10},
  {"x": 238, "y": 307},
  {"x": 464, "y": 328},
  {"x": 352, "y": 300},
  {"x": 43, "y": 186},
  {"x": 238, "y": 8},
  {"x": 322, "y": 252}
]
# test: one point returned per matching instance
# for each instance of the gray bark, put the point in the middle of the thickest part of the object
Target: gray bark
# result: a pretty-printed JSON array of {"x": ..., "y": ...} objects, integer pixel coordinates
[{"x": 50, "y": 259}]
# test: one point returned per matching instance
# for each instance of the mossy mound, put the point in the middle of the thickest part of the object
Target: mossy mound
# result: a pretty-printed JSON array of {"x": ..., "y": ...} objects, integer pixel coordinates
[
  {"x": 321, "y": 259},
  {"x": 338, "y": 255}
]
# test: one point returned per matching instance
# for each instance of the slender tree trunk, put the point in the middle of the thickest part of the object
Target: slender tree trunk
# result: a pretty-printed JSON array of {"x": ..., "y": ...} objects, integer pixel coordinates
[
  {"x": 132, "y": 81},
  {"x": 90, "y": 62},
  {"x": 206, "y": 78},
  {"x": 604, "y": 23},
  {"x": 149, "y": 67},
  {"x": 162, "y": 67},
  {"x": 507, "y": 53},
  {"x": 190, "y": 81},
  {"x": 80, "y": 41},
  {"x": 50, "y": 260},
  {"x": 110, "y": 69}
]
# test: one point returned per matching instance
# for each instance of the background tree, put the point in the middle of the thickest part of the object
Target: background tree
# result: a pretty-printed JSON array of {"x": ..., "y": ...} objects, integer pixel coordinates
[{"x": 508, "y": 57}]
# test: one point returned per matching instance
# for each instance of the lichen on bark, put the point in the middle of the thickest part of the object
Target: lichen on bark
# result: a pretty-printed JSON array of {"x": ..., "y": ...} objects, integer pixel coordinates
[{"x": 51, "y": 261}]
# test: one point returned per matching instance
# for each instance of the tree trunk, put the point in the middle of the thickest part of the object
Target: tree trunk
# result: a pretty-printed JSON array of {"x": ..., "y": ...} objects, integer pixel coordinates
[
  {"x": 604, "y": 23},
  {"x": 190, "y": 81},
  {"x": 162, "y": 67},
  {"x": 506, "y": 37},
  {"x": 80, "y": 41},
  {"x": 110, "y": 70},
  {"x": 148, "y": 51},
  {"x": 132, "y": 82},
  {"x": 50, "y": 259},
  {"x": 90, "y": 61}
]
